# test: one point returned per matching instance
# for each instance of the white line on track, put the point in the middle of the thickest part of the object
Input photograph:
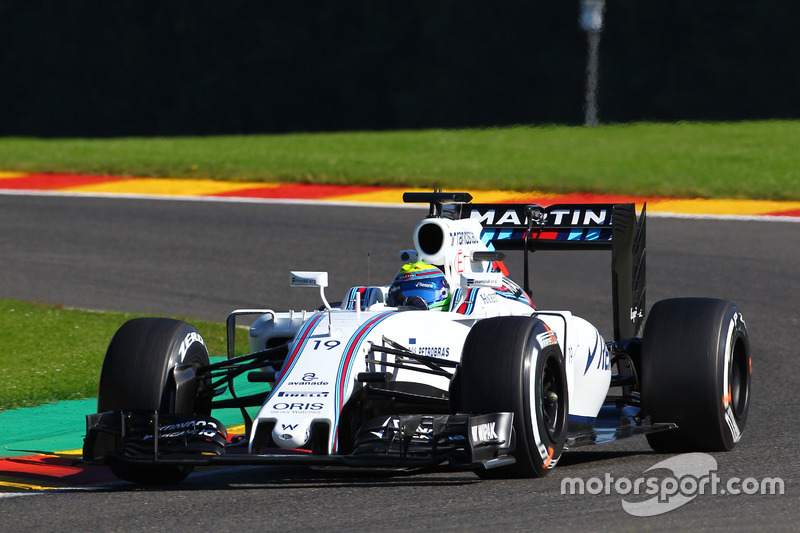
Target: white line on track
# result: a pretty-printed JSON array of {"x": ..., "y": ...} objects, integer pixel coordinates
[{"x": 288, "y": 201}]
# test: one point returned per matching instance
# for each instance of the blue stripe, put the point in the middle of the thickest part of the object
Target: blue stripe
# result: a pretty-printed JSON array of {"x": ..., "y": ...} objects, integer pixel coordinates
[
  {"x": 592, "y": 354},
  {"x": 305, "y": 335},
  {"x": 343, "y": 374},
  {"x": 486, "y": 237}
]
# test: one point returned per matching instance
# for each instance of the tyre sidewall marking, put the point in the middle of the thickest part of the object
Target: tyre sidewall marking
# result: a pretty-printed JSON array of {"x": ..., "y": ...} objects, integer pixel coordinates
[
  {"x": 535, "y": 358},
  {"x": 187, "y": 343},
  {"x": 734, "y": 325}
]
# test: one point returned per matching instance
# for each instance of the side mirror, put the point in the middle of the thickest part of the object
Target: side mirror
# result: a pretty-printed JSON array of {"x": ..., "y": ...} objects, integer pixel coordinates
[{"x": 311, "y": 279}]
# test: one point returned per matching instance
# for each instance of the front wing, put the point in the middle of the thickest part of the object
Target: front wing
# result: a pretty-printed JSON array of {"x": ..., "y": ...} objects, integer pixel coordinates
[{"x": 461, "y": 442}]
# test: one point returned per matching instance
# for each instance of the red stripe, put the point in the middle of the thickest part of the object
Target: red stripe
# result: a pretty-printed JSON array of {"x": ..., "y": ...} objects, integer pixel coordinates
[
  {"x": 342, "y": 381},
  {"x": 583, "y": 198},
  {"x": 353, "y": 347},
  {"x": 301, "y": 190},
  {"x": 53, "y": 181},
  {"x": 311, "y": 326},
  {"x": 547, "y": 235},
  {"x": 47, "y": 470},
  {"x": 790, "y": 213}
]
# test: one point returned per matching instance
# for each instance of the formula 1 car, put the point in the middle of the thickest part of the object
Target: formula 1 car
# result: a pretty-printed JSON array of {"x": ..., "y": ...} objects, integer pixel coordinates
[{"x": 449, "y": 367}]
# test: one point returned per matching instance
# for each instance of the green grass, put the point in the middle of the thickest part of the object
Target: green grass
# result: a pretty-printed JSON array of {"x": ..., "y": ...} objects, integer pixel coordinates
[
  {"x": 716, "y": 160},
  {"x": 49, "y": 353}
]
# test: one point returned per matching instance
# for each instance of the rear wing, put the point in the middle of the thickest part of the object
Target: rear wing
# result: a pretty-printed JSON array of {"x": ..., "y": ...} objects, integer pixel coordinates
[{"x": 613, "y": 227}]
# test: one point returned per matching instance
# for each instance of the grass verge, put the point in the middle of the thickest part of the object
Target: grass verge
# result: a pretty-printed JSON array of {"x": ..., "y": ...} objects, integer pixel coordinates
[
  {"x": 49, "y": 353},
  {"x": 717, "y": 160}
]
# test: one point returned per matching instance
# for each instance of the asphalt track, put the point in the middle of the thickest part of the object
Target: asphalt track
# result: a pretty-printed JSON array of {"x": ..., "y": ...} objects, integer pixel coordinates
[{"x": 205, "y": 258}]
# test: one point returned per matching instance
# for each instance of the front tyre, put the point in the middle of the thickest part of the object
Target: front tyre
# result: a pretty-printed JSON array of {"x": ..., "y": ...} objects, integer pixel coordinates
[
  {"x": 696, "y": 373},
  {"x": 513, "y": 364},
  {"x": 137, "y": 376}
]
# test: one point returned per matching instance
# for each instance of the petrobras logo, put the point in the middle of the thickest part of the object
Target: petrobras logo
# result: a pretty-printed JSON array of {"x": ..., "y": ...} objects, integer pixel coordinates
[
  {"x": 423, "y": 285},
  {"x": 432, "y": 351}
]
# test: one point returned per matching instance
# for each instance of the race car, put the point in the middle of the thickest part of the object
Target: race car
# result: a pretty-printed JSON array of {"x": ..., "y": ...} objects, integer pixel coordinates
[{"x": 451, "y": 366}]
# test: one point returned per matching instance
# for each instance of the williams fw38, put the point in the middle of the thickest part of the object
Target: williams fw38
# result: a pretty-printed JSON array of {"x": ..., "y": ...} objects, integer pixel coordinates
[{"x": 449, "y": 366}]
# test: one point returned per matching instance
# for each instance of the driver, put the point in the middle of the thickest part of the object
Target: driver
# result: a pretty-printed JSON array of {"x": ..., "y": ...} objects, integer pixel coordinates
[{"x": 420, "y": 285}]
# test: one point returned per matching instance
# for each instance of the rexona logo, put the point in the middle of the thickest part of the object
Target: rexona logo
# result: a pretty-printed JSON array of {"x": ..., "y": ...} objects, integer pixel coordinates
[
  {"x": 204, "y": 428},
  {"x": 484, "y": 433}
]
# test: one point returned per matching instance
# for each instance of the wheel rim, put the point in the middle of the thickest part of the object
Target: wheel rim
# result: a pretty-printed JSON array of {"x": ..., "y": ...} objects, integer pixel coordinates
[
  {"x": 551, "y": 394},
  {"x": 738, "y": 381}
]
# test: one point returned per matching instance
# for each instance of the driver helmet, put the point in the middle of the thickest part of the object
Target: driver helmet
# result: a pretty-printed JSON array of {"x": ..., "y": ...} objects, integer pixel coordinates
[{"x": 420, "y": 282}]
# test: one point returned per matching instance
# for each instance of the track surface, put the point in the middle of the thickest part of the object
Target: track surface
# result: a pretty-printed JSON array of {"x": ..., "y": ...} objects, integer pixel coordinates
[{"x": 204, "y": 259}]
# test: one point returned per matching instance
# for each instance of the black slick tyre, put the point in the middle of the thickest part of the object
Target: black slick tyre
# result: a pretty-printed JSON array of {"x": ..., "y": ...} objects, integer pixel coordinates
[
  {"x": 513, "y": 364},
  {"x": 696, "y": 373},
  {"x": 136, "y": 376}
]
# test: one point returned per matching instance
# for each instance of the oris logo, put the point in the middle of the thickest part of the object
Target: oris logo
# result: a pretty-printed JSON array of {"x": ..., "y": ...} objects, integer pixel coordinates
[{"x": 298, "y": 406}]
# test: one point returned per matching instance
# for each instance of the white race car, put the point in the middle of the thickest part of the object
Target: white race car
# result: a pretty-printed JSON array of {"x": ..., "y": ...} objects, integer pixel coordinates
[{"x": 450, "y": 366}]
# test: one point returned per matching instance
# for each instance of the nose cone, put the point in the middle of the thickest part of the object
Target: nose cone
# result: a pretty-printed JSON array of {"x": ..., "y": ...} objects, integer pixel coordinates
[{"x": 291, "y": 435}]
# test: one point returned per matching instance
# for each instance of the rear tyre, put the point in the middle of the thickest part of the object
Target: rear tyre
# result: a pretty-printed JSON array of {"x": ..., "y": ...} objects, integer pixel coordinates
[
  {"x": 136, "y": 376},
  {"x": 696, "y": 373},
  {"x": 513, "y": 364}
]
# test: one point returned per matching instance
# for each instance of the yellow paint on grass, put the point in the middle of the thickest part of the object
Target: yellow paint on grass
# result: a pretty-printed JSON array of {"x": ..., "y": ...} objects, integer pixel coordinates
[
  {"x": 721, "y": 207},
  {"x": 236, "y": 430},
  {"x": 8, "y": 175},
  {"x": 394, "y": 195},
  {"x": 10, "y": 486},
  {"x": 70, "y": 453},
  {"x": 169, "y": 187},
  {"x": 385, "y": 196}
]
